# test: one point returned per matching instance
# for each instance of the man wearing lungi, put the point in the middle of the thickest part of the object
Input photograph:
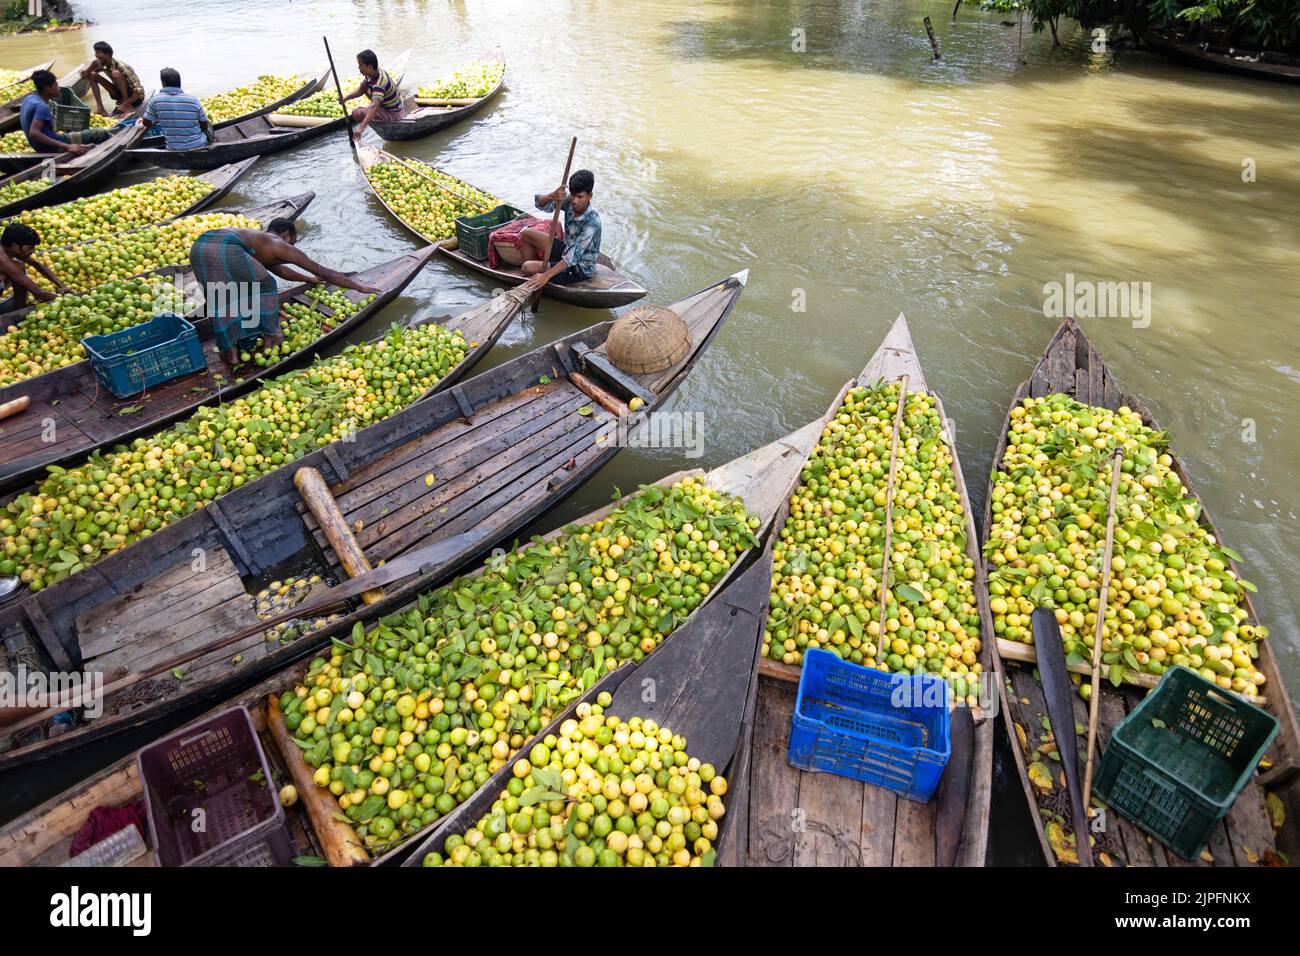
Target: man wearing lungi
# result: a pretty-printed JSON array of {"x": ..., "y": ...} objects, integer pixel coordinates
[{"x": 234, "y": 268}]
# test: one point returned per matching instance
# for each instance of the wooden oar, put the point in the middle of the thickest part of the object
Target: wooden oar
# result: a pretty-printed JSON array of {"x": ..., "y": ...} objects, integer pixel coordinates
[
  {"x": 425, "y": 561},
  {"x": 889, "y": 519},
  {"x": 555, "y": 218},
  {"x": 1102, "y": 600},
  {"x": 954, "y": 788},
  {"x": 338, "y": 88},
  {"x": 1060, "y": 711}
]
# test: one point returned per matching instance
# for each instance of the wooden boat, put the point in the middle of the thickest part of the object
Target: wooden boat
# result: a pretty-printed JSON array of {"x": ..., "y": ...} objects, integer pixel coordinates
[
  {"x": 67, "y": 182},
  {"x": 87, "y": 418},
  {"x": 501, "y": 447},
  {"x": 1072, "y": 365},
  {"x": 307, "y": 89},
  {"x": 1253, "y": 63},
  {"x": 735, "y": 712},
  {"x": 290, "y": 208},
  {"x": 10, "y": 110},
  {"x": 422, "y": 120},
  {"x": 256, "y": 136},
  {"x": 607, "y": 289},
  {"x": 82, "y": 174},
  {"x": 42, "y": 836}
]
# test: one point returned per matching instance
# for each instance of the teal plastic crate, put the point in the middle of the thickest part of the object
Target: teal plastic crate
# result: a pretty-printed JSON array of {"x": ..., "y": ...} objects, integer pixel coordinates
[
  {"x": 71, "y": 115},
  {"x": 131, "y": 360},
  {"x": 472, "y": 231},
  {"x": 887, "y": 729},
  {"x": 1176, "y": 764}
]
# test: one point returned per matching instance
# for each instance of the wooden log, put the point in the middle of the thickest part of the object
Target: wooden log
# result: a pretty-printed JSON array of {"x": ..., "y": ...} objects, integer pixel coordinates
[
  {"x": 1025, "y": 654},
  {"x": 316, "y": 494},
  {"x": 339, "y": 842},
  {"x": 446, "y": 101},
  {"x": 289, "y": 119},
  {"x": 604, "y": 399},
  {"x": 14, "y": 406}
]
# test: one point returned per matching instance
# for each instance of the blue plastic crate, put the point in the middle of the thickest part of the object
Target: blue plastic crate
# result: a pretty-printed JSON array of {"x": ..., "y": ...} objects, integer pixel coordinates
[
  {"x": 887, "y": 729},
  {"x": 131, "y": 360}
]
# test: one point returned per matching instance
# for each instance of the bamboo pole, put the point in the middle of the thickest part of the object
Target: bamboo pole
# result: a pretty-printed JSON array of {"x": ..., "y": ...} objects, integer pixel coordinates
[
  {"x": 555, "y": 219},
  {"x": 1102, "y": 600},
  {"x": 889, "y": 516}
]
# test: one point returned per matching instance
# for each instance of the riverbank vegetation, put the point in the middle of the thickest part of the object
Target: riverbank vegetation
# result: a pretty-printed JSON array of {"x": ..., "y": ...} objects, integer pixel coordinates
[{"x": 1272, "y": 25}]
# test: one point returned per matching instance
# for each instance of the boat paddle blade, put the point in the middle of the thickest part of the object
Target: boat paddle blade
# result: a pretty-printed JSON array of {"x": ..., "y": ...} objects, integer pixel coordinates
[
  {"x": 1060, "y": 711},
  {"x": 697, "y": 683},
  {"x": 954, "y": 789}
]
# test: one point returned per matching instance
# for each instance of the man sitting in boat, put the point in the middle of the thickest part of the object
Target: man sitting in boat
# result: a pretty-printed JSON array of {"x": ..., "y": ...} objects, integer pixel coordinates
[
  {"x": 17, "y": 246},
  {"x": 179, "y": 115},
  {"x": 37, "y": 120},
  {"x": 106, "y": 72},
  {"x": 235, "y": 266},
  {"x": 385, "y": 100},
  {"x": 580, "y": 246}
]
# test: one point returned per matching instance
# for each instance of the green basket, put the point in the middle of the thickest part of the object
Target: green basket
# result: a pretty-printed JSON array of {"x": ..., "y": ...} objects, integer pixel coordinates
[
  {"x": 472, "y": 231},
  {"x": 1175, "y": 765},
  {"x": 71, "y": 115}
]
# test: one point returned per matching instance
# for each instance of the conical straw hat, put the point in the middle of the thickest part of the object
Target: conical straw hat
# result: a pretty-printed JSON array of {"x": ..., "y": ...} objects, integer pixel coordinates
[{"x": 648, "y": 338}]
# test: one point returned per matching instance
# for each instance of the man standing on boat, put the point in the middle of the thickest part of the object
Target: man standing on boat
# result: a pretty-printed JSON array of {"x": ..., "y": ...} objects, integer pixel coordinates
[
  {"x": 111, "y": 74},
  {"x": 385, "y": 99},
  {"x": 18, "y": 244},
  {"x": 234, "y": 268},
  {"x": 580, "y": 246},
  {"x": 179, "y": 115},
  {"x": 37, "y": 120}
]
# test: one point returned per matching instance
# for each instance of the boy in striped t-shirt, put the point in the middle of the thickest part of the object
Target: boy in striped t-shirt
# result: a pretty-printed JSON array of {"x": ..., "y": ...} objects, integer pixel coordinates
[
  {"x": 179, "y": 116},
  {"x": 385, "y": 99}
]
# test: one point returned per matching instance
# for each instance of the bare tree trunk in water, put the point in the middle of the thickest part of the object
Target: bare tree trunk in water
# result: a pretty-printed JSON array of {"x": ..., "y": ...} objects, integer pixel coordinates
[{"x": 1056, "y": 41}]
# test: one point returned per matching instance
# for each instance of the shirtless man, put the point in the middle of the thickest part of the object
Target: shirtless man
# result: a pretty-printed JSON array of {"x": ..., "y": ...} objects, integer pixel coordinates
[
  {"x": 17, "y": 246},
  {"x": 224, "y": 260}
]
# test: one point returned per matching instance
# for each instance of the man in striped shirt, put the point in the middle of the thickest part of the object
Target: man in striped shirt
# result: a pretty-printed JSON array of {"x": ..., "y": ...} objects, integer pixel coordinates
[
  {"x": 385, "y": 99},
  {"x": 177, "y": 114}
]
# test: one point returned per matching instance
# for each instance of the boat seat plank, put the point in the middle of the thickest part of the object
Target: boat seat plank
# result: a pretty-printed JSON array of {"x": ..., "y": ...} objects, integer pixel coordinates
[
  {"x": 457, "y": 459},
  {"x": 562, "y": 440},
  {"x": 514, "y": 504},
  {"x": 879, "y": 812},
  {"x": 773, "y": 783},
  {"x": 410, "y": 460},
  {"x": 832, "y": 813},
  {"x": 914, "y": 833},
  {"x": 161, "y": 612}
]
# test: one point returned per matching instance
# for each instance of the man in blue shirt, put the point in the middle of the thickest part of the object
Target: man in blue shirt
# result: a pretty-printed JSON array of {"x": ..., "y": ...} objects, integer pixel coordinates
[
  {"x": 37, "y": 120},
  {"x": 179, "y": 115},
  {"x": 580, "y": 246}
]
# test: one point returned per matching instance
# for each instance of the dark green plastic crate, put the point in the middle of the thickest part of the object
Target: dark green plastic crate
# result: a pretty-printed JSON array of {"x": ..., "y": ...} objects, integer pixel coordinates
[
  {"x": 71, "y": 115},
  {"x": 472, "y": 231},
  {"x": 1175, "y": 765}
]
